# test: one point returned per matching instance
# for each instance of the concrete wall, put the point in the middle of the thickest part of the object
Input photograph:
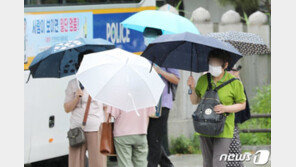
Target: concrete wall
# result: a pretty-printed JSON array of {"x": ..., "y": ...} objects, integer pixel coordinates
[{"x": 212, "y": 6}]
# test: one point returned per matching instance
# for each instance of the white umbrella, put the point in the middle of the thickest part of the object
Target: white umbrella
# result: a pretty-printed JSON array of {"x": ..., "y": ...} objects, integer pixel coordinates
[{"x": 121, "y": 79}]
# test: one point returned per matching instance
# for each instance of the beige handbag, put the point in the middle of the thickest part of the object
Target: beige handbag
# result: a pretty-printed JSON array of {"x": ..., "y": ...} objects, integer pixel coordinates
[{"x": 76, "y": 135}]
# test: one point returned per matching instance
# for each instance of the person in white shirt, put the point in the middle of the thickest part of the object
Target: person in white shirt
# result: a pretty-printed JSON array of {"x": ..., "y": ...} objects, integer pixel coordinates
[{"x": 75, "y": 103}]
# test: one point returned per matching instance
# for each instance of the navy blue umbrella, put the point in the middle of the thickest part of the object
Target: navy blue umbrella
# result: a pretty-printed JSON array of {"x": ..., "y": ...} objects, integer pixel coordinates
[
  {"x": 187, "y": 51},
  {"x": 61, "y": 59}
]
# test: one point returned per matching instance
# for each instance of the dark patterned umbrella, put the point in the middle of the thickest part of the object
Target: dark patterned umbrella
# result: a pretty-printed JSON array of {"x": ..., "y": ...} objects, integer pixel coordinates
[
  {"x": 61, "y": 59},
  {"x": 245, "y": 43}
]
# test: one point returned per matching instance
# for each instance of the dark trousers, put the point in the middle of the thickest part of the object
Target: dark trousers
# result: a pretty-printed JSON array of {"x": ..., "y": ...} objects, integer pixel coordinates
[
  {"x": 157, "y": 154},
  {"x": 165, "y": 140}
]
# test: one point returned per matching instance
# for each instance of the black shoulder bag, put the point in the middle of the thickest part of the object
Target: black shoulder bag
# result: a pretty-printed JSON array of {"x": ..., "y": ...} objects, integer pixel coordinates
[{"x": 205, "y": 120}]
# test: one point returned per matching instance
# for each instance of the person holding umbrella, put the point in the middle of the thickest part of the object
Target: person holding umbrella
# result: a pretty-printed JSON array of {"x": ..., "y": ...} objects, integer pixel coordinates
[
  {"x": 124, "y": 81},
  {"x": 157, "y": 130},
  {"x": 62, "y": 60},
  {"x": 76, "y": 98},
  {"x": 240, "y": 117},
  {"x": 233, "y": 100},
  {"x": 248, "y": 44},
  {"x": 199, "y": 53},
  {"x": 130, "y": 135},
  {"x": 153, "y": 23}
]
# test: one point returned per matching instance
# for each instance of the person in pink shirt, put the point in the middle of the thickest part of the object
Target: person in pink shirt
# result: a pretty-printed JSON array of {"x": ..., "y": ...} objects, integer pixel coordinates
[{"x": 130, "y": 135}]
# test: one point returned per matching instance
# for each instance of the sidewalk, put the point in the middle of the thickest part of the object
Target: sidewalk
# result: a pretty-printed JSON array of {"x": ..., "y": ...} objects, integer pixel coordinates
[{"x": 192, "y": 160}]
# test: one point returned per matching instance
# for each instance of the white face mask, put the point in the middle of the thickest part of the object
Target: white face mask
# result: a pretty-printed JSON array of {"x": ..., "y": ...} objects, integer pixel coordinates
[
  {"x": 215, "y": 70},
  {"x": 148, "y": 40}
]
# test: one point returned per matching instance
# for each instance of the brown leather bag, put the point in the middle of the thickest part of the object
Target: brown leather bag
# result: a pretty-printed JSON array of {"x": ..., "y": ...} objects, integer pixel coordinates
[{"x": 107, "y": 142}]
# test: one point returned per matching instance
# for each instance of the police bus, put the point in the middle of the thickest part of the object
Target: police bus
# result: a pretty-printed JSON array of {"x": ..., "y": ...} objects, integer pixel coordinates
[{"x": 47, "y": 22}]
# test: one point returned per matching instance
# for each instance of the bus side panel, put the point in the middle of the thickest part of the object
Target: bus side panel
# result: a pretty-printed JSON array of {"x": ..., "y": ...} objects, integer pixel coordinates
[
  {"x": 27, "y": 126},
  {"x": 45, "y": 98},
  {"x": 107, "y": 26}
]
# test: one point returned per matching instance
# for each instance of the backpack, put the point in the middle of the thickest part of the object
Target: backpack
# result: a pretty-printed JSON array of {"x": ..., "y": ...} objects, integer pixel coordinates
[{"x": 205, "y": 119}]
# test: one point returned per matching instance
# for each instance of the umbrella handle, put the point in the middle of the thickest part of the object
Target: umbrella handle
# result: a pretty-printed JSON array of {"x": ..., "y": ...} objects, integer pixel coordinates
[
  {"x": 151, "y": 67},
  {"x": 80, "y": 100},
  {"x": 189, "y": 91},
  {"x": 28, "y": 77}
]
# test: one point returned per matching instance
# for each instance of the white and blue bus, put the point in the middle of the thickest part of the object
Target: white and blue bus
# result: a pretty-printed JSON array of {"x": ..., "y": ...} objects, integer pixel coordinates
[{"x": 47, "y": 22}]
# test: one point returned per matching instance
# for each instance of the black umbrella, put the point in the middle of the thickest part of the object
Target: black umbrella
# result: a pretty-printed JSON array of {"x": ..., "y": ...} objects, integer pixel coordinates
[{"x": 187, "y": 51}]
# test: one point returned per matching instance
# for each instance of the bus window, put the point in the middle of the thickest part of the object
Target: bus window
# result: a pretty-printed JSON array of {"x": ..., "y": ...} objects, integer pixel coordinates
[
  {"x": 74, "y": 2},
  {"x": 42, "y": 2},
  {"x": 100, "y": 1}
]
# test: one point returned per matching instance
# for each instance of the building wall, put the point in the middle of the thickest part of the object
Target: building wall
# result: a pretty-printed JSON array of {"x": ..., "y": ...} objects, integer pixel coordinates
[{"x": 211, "y": 5}]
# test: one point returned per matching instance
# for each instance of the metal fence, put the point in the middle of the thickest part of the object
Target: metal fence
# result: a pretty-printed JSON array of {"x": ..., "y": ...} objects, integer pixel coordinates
[{"x": 253, "y": 116}]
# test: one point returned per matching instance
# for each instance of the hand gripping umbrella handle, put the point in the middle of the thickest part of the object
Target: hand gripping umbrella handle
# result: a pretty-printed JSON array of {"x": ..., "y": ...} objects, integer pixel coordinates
[
  {"x": 80, "y": 86},
  {"x": 192, "y": 48},
  {"x": 189, "y": 91}
]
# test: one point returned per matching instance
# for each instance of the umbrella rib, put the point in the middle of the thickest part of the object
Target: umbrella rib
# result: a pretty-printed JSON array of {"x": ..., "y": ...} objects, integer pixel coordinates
[
  {"x": 59, "y": 72},
  {"x": 191, "y": 59},
  {"x": 144, "y": 82}
]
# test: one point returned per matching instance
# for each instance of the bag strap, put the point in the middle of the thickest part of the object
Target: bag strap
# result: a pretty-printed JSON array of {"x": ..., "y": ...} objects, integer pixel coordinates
[
  {"x": 169, "y": 87},
  {"x": 222, "y": 85},
  {"x": 109, "y": 117},
  {"x": 209, "y": 81},
  {"x": 86, "y": 111},
  {"x": 225, "y": 83}
]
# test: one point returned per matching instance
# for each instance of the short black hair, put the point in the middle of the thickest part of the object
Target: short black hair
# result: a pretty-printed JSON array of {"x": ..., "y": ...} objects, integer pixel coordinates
[
  {"x": 219, "y": 54},
  {"x": 152, "y": 32}
]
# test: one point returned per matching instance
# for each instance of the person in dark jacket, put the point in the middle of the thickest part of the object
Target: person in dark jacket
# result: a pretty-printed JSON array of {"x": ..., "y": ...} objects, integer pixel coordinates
[
  {"x": 240, "y": 117},
  {"x": 157, "y": 129}
]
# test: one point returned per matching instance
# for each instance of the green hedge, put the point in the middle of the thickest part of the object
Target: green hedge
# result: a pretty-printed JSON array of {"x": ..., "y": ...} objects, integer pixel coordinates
[
  {"x": 260, "y": 104},
  {"x": 183, "y": 145}
]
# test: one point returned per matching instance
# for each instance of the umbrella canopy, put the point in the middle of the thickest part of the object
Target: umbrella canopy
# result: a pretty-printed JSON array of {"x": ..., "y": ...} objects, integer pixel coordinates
[
  {"x": 120, "y": 79},
  {"x": 246, "y": 43},
  {"x": 61, "y": 59},
  {"x": 187, "y": 51},
  {"x": 168, "y": 22}
]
